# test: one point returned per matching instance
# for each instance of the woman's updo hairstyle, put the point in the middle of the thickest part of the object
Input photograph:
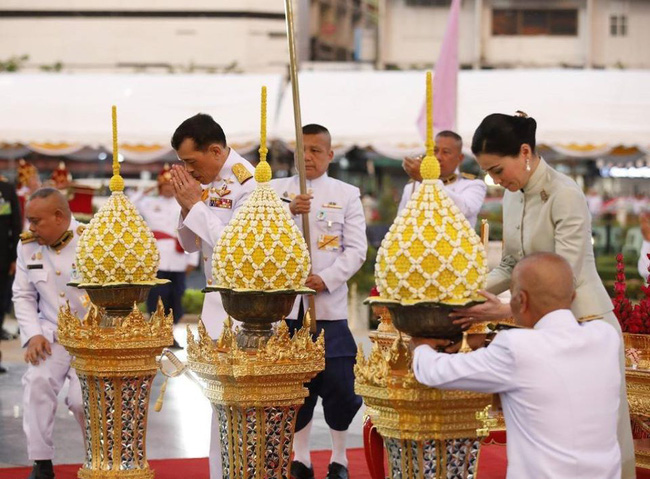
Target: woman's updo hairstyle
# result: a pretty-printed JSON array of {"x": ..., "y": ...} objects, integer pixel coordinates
[{"x": 503, "y": 135}]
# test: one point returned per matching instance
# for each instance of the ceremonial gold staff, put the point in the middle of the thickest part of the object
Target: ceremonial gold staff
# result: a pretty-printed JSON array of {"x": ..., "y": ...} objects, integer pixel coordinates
[{"x": 300, "y": 153}]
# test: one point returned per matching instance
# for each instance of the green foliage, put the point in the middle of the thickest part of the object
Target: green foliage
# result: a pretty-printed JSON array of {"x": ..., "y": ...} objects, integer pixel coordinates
[
  {"x": 193, "y": 301},
  {"x": 55, "y": 67},
  {"x": 387, "y": 206},
  {"x": 13, "y": 64},
  {"x": 365, "y": 277}
]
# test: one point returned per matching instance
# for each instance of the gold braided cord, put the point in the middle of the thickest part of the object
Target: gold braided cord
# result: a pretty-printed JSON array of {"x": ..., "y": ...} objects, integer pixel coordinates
[
  {"x": 117, "y": 182},
  {"x": 263, "y": 171}
]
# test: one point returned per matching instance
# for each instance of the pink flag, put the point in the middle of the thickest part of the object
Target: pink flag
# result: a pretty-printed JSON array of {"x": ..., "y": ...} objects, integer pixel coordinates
[{"x": 445, "y": 79}]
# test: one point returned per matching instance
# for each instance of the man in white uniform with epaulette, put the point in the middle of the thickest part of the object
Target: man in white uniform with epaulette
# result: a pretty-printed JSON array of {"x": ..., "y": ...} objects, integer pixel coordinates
[
  {"x": 44, "y": 265},
  {"x": 227, "y": 180},
  {"x": 464, "y": 189},
  {"x": 338, "y": 247},
  {"x": 174, "y": 262}
]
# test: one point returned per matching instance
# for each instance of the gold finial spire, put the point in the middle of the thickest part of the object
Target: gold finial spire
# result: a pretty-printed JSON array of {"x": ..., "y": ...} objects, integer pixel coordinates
[
  {"x": 117, "y": 182},
  {"x": 430, "y": 168},
  {"x": 263, "y": 172}
]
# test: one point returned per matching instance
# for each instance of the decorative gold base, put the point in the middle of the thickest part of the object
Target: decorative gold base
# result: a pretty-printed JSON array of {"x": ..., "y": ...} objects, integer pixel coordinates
[
  {"x": 640, "y": 343},
  {"x": 116, "y": 366},
  {"x": 428, "y": 433},
  {"x": 642, "y": 453},
  {"x": 256, "y": 395},
  {"x": 135, "y": 474}
]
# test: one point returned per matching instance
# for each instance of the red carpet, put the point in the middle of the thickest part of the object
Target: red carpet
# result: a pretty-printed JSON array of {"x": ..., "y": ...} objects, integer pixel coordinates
[{"x": 492, "y": 465}]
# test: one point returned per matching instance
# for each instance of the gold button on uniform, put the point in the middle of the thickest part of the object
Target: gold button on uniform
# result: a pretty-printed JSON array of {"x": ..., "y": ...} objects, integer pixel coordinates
[
  {"x": 62, "y": 294},
  {"x": 205, "y": 258},
  {"x": 209, "y": 281},
  {"x": 58, "y": 273}
]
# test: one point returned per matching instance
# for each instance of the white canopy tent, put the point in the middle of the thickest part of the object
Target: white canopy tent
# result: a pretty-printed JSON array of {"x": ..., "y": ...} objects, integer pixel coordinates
[
  {"x": 65, "y": 112},
  {"x": 579, "y": 112},
  {"x": 583, "y": 112}
]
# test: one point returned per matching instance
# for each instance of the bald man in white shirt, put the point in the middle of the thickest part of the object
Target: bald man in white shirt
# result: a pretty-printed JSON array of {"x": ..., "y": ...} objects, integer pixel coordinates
[{"x": 558, "y": 379}]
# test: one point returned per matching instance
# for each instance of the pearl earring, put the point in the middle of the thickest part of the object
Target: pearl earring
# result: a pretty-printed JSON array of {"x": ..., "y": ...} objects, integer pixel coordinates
[{"x": 527, "y": 164}]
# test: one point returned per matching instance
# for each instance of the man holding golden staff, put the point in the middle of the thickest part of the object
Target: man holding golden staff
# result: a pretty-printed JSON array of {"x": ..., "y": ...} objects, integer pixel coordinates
[{"x": 339, "y": 245}]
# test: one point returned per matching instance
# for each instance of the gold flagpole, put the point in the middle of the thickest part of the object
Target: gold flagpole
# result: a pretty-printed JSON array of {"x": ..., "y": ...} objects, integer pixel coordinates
[{"x": 300, "y": 153}]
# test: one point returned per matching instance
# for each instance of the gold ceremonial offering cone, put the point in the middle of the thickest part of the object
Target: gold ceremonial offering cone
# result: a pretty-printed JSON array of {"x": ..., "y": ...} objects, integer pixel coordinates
[
  {"x": 430, "y": 262},
  {"x": 254, "y": 377},
  {"x": 114, "y": 347}
]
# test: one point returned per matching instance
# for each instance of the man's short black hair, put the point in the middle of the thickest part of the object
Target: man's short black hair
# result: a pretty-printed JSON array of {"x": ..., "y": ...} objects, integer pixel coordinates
[
  {"x": 315, "y": 129},
  {"x": 202, "y": 129},
  {"x": 451, "y": 134}
]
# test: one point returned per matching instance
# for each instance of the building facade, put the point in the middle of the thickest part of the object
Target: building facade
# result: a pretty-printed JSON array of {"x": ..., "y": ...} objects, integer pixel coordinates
[
  {"x": 519, "y": 33},
  {"x": 144, "y": 35}
]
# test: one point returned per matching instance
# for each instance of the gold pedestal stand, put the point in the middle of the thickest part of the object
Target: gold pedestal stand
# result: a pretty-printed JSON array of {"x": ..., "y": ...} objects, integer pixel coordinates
[
  {"x": 637, "y": 379},
  {"x": 427, "y": 432},
  {"x": 255, "y": 381},
  {"x": 114, "y": 353}
]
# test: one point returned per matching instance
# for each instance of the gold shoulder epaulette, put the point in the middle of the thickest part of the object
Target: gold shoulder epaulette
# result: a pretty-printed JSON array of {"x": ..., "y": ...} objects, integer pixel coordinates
[
  {"x": 242, "y": 174},
  {"x": 80, "y": 229},
  {"x": 27, "y": 237},
  {"x": 468, "y": 176}
]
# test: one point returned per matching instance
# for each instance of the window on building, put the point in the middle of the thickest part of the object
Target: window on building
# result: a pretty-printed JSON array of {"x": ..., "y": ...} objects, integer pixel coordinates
[
  {"x": 534, "y": 22},
  {"x": 618, "y": 25}
]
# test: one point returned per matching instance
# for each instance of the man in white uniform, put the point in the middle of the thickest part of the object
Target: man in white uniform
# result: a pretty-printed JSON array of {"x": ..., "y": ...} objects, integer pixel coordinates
[
  {"x": 227, "y": 180},
  {"x": 338, "y": 248},
  {"x": 160, "y": 213},
  {"x": 45, "y": 260},
  {"x": 558, "y": 381},
  {"x": 467, "y": 192}
]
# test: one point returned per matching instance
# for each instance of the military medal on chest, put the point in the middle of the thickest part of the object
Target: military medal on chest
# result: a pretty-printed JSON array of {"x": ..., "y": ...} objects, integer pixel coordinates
[{"x": 218, "y": 201}]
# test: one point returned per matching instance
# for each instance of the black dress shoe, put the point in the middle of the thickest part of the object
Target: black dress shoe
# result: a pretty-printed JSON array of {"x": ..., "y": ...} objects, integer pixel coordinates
[
  {"x": 300, "y": 471},
  {"x": 42, "y": 470},
  {"x": 2, "y": 369},
  {"x": 175, "y": 345},
  {"x": 337, "y": 471}
]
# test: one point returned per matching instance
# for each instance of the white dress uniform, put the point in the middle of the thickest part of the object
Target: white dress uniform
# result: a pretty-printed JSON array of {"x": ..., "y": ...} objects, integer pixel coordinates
[
  {"x": 559, "y": 387},
  {"x": 338, "y": 239},
  {"x": 39, "y": 290},
  {"x": 644, "y": 262},
  {"x": 551, "y": 215},
  {"x": 199, "y": 231},
  {"x": 203, "y": 225},
  {"x": 157, "y": 211},
  {"x": 338, "y": 249},
  {"x": 465, "y": 190}
]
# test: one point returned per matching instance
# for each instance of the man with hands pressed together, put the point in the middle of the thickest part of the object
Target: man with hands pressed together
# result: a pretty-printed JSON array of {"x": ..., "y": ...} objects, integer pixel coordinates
[
  {"x": 44, "y": 266},
  {"x": 464, "y": 189},
  {"x": 338, "y": 247},
  {"x": 227, "y": 180},
  {"x": 558, "y": 380}
]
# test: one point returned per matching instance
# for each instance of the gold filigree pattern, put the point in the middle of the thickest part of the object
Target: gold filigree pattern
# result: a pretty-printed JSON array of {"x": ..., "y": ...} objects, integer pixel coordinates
[
  {"x": 404, "y": 409},
  {"x": 129, "y": 332}
]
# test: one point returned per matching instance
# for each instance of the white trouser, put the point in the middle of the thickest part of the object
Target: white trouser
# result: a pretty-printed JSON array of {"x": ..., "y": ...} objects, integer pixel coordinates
[
  {"x": 216, "y": 471},
  {"x": 42, "y": 384},
  {"x": 628, "y": 466}
]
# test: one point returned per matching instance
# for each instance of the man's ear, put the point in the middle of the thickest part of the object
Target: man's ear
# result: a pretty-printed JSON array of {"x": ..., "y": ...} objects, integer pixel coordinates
[
  {"x": 524, "y": 302},
  {"x": 216, "y": 149}
]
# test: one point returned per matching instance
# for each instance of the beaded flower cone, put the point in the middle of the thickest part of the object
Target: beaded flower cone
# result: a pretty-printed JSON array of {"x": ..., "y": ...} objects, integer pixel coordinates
[
  {"x": 255, "y": 377},
  {"x": 430, "y": 262},
  {"x": 114, "y": 347}
]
